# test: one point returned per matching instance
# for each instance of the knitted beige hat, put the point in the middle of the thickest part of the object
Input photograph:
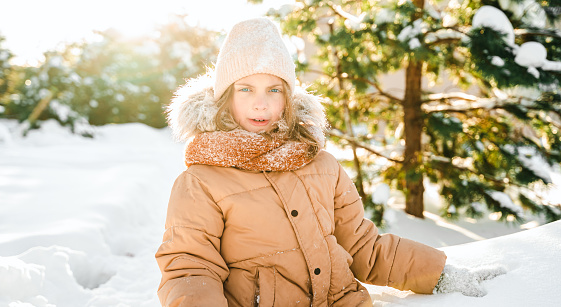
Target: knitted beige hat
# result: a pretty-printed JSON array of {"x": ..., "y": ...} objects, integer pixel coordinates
[{"x": 252, "y": 46}]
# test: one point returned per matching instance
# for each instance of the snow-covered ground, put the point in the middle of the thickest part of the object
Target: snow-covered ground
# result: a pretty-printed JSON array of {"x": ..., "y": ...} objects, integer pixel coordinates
[{"x": 81, "y": 219}]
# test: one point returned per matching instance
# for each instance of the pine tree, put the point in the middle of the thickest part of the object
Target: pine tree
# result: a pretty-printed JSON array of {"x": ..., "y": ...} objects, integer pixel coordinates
[
  {"x": 116, "y": 79},
  {"x": 5, "y": 73},
  {"x": 484, "y": 145},
  {"x": 46, "y": 92},
  {"x": 132, "y": 79}
]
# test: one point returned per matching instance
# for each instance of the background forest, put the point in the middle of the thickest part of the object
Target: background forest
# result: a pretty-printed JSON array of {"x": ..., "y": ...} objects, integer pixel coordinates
[{"x": 483, "y": 138}]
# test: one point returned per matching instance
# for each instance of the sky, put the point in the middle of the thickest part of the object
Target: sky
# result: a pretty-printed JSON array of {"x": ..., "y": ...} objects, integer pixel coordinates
[{"x": 34, "y": 26}]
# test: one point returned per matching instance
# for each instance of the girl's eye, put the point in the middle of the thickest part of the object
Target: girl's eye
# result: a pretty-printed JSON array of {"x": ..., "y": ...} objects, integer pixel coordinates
[
  {"x": 275, "y": 90},
  {"x": 245, "y": 89}
]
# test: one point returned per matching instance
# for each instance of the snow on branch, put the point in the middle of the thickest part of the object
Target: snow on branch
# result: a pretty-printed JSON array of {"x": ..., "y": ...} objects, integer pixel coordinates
[
  {"x": 530, "y": 54},
  {"x": 352, "y": 22},
  {"x": 445, "y": 35},
  {"x": 505, "y": 201},
  {"x": 533, "y": 55},
  {"x": 540, "y": 32},
  {"x": 448, "y": 96},
  {"x": 463, "y": 105},
  {"x": 530, "y": 158},
  {"x": 467, "y": 105},
  {"x": 492, "y": 17},
  {"x": 460, "y": 164}
]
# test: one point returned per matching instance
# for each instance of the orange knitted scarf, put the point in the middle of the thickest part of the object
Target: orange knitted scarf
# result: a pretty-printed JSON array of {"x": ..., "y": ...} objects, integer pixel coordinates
[{"x": 248, "y": 151}]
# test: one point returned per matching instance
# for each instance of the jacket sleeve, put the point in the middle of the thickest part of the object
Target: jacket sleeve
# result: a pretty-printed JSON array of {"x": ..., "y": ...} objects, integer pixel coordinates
[
  {"x": 193, "y": 271},
  {"x": 382, "y": 259}
]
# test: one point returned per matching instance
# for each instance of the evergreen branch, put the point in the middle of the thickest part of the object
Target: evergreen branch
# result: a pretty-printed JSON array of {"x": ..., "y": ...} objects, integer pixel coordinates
[
  {"x": 447, "y": 96},
  {"x": 482, "y": 103},
  {"x": 355, "y": 142},
  {"x": 341, "y": 13},
  {"x": 542, "y": 199},
  {"x": 484, "y": 106},
  {"x": 469, "y": 108},
  {"x": 448, "y": 161},
  {"x": 456, "y": 29},
  {"x": 443, "y": 41},
  {"x": 448, "y": 40},
  {"x": 539, "y": 32}
]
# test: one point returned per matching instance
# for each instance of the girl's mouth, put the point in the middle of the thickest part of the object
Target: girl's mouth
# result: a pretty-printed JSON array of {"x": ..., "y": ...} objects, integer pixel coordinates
[{"x": 259, "y": 121}]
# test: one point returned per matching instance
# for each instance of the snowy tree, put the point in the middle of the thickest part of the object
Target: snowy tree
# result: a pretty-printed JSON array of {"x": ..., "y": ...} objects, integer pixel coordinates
[
  {"x": 119, "y": 77},
  {"x": 46, "y": 92},
  {"x": 115, "y": 79},
  {"x": 131, "y": 80},
  {"x": 5, "y": 73},
  {"x": 485, "y": 144}
]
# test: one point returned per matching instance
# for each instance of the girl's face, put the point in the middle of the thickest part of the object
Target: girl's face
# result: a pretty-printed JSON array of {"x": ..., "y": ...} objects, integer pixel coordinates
[{"x": 258, "y": 102}]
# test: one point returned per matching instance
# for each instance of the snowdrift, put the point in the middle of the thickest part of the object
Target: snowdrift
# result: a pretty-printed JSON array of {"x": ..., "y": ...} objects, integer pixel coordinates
[{"x": 533, "y": 278}]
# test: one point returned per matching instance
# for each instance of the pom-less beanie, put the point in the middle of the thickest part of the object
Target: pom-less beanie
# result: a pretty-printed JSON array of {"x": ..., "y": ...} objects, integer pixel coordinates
[{"x": 252, "y": 46}]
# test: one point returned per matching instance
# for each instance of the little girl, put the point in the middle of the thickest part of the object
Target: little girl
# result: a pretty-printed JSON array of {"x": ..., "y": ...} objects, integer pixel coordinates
[{"x": 262, "y": 215}]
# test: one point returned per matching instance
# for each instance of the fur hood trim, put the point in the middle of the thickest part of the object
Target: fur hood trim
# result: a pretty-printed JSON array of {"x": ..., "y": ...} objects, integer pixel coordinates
[{"x": 193, "y": 110}]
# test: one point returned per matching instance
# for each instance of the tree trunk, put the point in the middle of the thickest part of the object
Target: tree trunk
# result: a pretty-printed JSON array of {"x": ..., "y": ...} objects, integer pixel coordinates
[
  {"x": 413, "y": 128},
  {"x": 39, "y": 108},
  {"x": 359, "y": 182},
  {"x": 358, "y": 168}
]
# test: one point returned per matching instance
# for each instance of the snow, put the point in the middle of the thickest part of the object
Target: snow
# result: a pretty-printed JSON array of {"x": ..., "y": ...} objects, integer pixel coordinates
[
  {"x": 506, "y": 202},
  {"x": 82, "y": 218},
  {"x": 352, "y": 22},
  {"x": 414, "y": 43},
  {"x": 443, "y": 34},
  {"x": 534, "y": 72},
  {"x": 409, "y": 34},
  {"x": 62, "y": 111},
  {"x": 533, "y": 277},
  {"x": 529, "y": 12},
  {"x": 551, "y": 65},
  {"x": 384, "y": 16},
  {"x": 531, "y": 54},
  {"x": 532, "y": 160},
  {"x": 497, "y": 61},
  {"x": 381, "y": 194},
  {"x": 492, "y": 17}
]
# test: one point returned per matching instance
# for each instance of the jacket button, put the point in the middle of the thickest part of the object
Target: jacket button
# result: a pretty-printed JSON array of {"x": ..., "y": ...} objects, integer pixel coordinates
[
  {"x": 294, "y": 213},
  {"x": 317, "y": 271}
]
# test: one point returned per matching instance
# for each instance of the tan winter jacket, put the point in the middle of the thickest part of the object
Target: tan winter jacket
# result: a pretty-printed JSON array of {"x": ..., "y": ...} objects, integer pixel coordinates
[{"x": 281, "y": 238}]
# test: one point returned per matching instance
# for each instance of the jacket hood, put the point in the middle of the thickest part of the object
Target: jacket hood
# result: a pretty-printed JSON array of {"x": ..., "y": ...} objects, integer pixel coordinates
[{"x": 193, "y": 110}]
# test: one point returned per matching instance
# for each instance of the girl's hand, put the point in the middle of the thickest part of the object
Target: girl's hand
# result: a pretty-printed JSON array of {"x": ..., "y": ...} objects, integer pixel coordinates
[{"x": 467, "y": 281}]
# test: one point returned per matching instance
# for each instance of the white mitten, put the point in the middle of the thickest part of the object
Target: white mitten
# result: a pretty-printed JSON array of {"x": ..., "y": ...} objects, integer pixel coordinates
[{"x": 466, "y": 281}]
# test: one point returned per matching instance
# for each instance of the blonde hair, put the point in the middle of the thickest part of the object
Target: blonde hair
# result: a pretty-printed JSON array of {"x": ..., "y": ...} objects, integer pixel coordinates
[{"x": 288, "y": 126}]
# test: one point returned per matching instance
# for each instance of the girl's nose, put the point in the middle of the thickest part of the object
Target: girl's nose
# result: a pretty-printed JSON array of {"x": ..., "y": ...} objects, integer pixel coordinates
[{"x": 260, "y": 103}]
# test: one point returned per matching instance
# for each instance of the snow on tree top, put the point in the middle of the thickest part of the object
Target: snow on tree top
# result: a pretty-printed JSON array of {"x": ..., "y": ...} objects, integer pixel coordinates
[
  {"x": 528, "y": 11},
  {"x": 492, "y": 17},
  {"x": 530, "y": 54}
]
